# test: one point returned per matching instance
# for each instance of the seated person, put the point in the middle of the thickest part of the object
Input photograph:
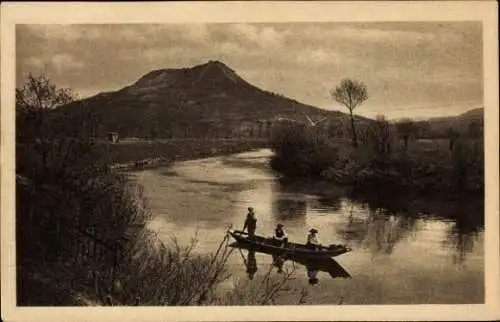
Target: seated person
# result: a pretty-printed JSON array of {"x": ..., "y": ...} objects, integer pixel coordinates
[
  {"x": 312, "y": 239},
  {"x": 312, "y": 273},
  {"x": 280, "y": 235}
]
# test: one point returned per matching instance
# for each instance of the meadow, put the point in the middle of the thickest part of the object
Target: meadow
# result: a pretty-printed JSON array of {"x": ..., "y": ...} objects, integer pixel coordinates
[{"x": 138, "y": 154}]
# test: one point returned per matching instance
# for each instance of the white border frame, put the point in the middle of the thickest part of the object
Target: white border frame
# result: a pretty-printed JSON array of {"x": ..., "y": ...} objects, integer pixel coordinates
[{"x": 183, "y": 12}]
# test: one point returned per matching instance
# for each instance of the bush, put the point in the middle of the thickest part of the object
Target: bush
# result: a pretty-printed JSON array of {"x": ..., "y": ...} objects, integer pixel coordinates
[{"x": 302, "y": 151}]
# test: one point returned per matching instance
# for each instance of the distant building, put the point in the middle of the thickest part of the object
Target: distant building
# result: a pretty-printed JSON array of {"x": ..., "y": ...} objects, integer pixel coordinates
[{"x": 113, "y": 137}]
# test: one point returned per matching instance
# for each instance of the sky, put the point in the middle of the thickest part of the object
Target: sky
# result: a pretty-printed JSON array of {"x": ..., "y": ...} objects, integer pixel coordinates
[{"x": 411, "y": 69}]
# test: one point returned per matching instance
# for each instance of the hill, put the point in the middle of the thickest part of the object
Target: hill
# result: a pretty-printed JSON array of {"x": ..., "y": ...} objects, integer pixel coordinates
[
  {"x": 475, "y": 114},
  {"x": 207, "y": 100},
  {"x": 460, "y": 122}
]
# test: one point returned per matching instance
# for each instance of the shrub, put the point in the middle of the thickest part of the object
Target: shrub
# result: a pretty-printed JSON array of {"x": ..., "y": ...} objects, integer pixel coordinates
[{"x": 302, "y": 151}]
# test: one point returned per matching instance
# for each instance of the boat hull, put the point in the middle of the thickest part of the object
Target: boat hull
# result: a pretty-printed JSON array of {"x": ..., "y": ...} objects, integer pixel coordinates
[{"x": 269, "y": 245}]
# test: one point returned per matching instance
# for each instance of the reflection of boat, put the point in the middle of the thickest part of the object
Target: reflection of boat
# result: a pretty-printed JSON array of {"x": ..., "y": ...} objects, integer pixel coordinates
[
  {"x": 268, "y": 245},
  {"x": 328, "y": 265},
  {"x": 313, "y": 265}
]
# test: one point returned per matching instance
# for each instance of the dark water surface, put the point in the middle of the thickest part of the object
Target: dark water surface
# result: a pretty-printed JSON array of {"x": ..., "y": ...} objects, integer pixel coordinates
[{"x": 404, "y": 251}]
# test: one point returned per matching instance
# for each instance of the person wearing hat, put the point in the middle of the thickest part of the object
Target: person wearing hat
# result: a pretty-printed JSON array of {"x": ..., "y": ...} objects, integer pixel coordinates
[
  {"x": 280, "y": 235},
  {"x": 312, "y": 239},
  {"x": 250, "y": 222},
  {"x": 278, "y": 262},
  {"x": 312, "y": 274}
]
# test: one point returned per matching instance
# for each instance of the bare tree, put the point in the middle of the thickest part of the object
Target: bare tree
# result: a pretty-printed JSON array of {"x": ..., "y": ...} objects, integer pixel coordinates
[
  {"x": 406, "y": 128},
  {"x": 33, "y": 99},
  {"x": 380, "y": 132},
  {"x": 351, "y": 94},
  {"x": 38, "y": 93},
  {"x": 452, "y": 135},
  {"x": 474, "y": 130}
]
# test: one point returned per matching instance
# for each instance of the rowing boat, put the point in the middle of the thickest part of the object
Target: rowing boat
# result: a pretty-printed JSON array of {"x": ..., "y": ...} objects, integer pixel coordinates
[{"x": 263, "y": 244}]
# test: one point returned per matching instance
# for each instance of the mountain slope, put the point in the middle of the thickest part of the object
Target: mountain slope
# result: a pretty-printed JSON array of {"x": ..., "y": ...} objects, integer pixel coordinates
[
  {"x": 460, "y": 122},
  {"x": 196, "y": 102},
  {"x": 475, "y": 114}
]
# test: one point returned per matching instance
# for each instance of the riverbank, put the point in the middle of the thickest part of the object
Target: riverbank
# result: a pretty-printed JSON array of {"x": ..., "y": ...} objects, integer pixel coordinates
[
  {"x": 139, "y": 155},
  {"x": 425, "y": 167}
]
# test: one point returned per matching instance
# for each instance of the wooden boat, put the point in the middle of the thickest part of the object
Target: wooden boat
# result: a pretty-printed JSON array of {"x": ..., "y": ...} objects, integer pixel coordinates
[
  {"x": 323, "y": 264},
  {"x": 269, "y": 245}
]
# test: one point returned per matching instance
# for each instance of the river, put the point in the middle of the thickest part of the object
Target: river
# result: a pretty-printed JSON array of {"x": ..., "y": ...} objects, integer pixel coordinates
[{"x": 401, "y": 254}]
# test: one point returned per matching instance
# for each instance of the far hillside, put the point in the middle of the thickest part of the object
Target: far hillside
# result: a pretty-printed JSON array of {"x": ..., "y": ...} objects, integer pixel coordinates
[
  {"x": 437, "y": 127},
  {"x": 205, "y": 101}
]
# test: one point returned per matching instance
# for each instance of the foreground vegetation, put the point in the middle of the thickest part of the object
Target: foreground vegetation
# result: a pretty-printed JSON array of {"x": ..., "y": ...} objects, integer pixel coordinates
[
  {"x": 384, "y": 160},
  {"x": 82, "y": 228}
]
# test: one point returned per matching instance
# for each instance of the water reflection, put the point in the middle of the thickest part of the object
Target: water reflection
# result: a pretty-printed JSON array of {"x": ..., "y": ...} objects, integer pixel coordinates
[
  {"x": 322, "y": 196},
  {"x": 385, "y": 222},
  {"x": 378, "y": 229},
  {"x": 251, "y": 264},
  {"x": 312, "y": 265},
  {"x": 378, "y": 222},
  {"x": 285, "y": 209},
  {"x": 330, "y": 203},
  {"x": 464, "y": 231},
  {"x": 278, "y": 262}
]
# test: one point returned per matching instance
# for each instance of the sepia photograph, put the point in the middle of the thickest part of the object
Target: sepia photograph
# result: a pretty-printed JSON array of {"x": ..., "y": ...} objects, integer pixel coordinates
[{"x": 202, "y": 164}]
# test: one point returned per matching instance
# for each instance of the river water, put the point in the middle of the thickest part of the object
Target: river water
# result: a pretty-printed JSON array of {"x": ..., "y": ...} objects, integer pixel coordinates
[{"x": 404, "y": 252}]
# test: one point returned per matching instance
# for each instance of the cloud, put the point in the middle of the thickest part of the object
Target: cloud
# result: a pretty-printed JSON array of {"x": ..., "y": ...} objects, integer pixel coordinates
[
  {"x": 231, "y": 48},
  {"x": 34, "y": 62},
  {"x": 156, "y": 33},
  {"x": 380, "y": 35},
  {"x": 66, "y": 32},
  {"x": 251, "y": 36},
  {"x": 64, "y": 62},
  {"x": 318, "y": 56},
  {"x": 196, "y": 32}
]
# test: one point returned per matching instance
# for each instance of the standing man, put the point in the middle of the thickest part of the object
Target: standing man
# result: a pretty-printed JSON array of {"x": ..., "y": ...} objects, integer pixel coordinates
[{"x": 250, "y": 222}]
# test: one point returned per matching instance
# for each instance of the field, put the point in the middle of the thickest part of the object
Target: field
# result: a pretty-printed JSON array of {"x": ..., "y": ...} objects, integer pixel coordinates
[
  {"x": 140, "y": 153},
  {"x": 432, "y": 150}
]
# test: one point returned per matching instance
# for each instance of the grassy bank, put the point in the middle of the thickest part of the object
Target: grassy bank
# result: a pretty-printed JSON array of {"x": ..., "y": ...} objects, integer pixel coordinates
[
  {"x": 382, "y": 162},
  {"x": 135, "y": 154}
]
